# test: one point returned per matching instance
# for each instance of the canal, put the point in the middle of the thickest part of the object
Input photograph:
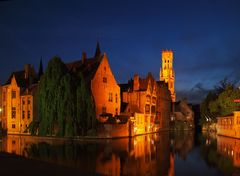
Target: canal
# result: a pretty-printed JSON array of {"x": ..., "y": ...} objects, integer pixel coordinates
[{"x": 178, "y": 153}]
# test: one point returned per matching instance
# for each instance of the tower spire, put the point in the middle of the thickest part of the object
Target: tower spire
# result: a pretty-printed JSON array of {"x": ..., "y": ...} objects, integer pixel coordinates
[
  {"x": 167, "y": 72},
  {"x": 98, "y": 51}
]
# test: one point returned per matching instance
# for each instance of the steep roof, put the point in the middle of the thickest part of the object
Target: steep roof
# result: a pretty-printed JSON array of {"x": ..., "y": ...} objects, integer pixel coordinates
[
  {"x": 21, "y": 80},
  {"x": 19, "y": 76},
  {"x": 88, "y": 67},
  {"x": 143, "y": 83}
]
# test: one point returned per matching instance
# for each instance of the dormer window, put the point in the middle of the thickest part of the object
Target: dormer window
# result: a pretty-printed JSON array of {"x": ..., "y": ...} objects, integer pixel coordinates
[{"x": 105, "y": 79}]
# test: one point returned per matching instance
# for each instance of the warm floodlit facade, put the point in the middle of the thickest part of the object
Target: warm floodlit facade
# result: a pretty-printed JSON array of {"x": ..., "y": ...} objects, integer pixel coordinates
[
  {"x": 18, "y": 96},
  {"x": 167, "y": 72}
]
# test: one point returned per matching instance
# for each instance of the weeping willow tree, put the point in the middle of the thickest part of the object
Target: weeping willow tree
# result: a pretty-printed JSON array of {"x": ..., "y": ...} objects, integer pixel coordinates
[
  {"x": 86, "y": 117},
  {"x": 66, "y": 106}
]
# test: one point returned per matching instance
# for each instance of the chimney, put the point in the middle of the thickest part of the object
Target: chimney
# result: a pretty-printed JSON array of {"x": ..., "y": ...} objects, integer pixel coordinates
[
  {"x": 84, "y": 57},
  {"x": 136, "y": 82},
  {"x": 27, "y": 69}
]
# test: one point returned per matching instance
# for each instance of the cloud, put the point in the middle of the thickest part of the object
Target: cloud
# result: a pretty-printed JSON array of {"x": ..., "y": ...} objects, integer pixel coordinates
[{"x": 194, "y": 95}]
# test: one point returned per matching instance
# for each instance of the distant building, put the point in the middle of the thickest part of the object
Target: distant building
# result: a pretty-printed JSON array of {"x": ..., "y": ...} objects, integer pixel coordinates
[
  {"x": 184, "y": 115},
  {"x": 19, "y": 101},
  {"x": 229, "y": 125},
  {"x": 167, "y": 72},
  {"x": 101, "y": 81}
]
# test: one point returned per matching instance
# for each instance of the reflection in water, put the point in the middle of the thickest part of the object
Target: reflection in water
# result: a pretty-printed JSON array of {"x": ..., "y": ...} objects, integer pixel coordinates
[
  {"x": 153, "y": 154},
  {"x": 222, "y": 153},
  {"x": 141, "y": 155},
  {"x": 229, "y": 147}
]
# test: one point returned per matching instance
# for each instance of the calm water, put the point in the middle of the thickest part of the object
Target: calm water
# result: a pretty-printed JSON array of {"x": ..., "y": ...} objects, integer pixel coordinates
[{"x": 153, "y": 154}]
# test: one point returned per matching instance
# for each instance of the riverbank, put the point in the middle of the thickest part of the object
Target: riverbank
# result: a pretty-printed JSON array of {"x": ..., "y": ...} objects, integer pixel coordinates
[{"x": 13, "y": 165}]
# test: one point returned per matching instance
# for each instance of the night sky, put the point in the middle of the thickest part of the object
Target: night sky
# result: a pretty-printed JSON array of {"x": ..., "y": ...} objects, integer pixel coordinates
[{"x": 204, "y": 35}]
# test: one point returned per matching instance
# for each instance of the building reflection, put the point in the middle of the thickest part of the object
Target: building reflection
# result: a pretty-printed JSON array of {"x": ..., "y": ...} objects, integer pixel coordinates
[
  {"x": 151, "y": 154},
  {"x": 182, "y": 143},
  {"x": 229, "y": 147}
]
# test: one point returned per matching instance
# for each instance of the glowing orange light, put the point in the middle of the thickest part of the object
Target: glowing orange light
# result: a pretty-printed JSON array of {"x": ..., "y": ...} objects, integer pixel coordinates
[{"x": 236, "y": 101}]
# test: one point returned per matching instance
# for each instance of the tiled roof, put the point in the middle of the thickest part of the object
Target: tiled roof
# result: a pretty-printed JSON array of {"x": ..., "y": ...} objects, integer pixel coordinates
[
  {"x": 20, "y": 78},
  {"x": 88, "y": 68}
]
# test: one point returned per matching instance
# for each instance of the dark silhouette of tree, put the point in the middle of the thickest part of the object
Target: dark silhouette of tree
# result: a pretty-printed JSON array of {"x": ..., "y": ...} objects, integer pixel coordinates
[{"x": 40, "y": 70}]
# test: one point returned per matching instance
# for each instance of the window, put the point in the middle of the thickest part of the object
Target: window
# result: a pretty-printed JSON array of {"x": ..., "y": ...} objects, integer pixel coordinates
[
  {"x": 23, "y": 114},
  {"x": 13, "y": 126},
  {"x": 29, "y": 115},
  {"x": 29, "y": 101},
  {"x": 23, "y": 102},
  {"x": 104, "y": 79},
  {"x": 116, "y": 98},
  {"x": 116, "y": 111},
  {"x": 13, "y": 112},
  {"x": 147, "y": 109},
  {"x": 148, "y": 98},
  {"x": 110, "y": 97},
  {"x": 105, "y": 69},
  {"x": 13, "y": 94},
  {"x": 153, "y": 109},
  {"x": 13, "y": 141},
  {"x": 104, "y": 110}
]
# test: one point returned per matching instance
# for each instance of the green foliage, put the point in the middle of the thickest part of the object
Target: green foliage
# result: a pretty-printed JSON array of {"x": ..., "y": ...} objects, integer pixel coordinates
[
  {"x": 66, "y": 107},
  {"x": 220, "y": 101}
]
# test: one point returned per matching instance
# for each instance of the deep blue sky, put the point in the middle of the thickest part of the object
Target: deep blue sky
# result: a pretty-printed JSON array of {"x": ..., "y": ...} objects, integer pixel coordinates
[{"x": 204, "y": 35}]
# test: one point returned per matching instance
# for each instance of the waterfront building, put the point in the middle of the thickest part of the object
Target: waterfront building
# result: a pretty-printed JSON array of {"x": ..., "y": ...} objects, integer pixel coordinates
[
  {"x": 140, "y": 97},
  {"x": 167, "y": 72},
  {"x": 183, "y": 115},
  {"x": 19, "y": 101},
  {"x": 163, "y": 105},
  {"x": 101, "y": 81},
  {"x": 144, "y": 101},
  {"x": 229, "y": 125}
]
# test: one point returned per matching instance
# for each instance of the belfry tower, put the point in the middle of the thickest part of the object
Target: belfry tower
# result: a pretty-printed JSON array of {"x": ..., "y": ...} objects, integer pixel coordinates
[{"x": 167, "y": 73}]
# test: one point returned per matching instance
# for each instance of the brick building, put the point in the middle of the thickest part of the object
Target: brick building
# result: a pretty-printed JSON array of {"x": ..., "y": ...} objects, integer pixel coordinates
[
  {"x": 19, "y": 101},
  {"x": 101, "y": 81}
]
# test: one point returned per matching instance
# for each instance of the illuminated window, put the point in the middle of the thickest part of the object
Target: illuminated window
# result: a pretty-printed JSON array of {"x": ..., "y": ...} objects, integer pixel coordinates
[
  {"x": 104, "y": 79},
  {"x": 147, "y": 109},
  {"x": 148, "y": 98},
  {"x": 110, "y": 97},
  {"x": 13, "y": 94},
  {"x": 13, "y": 112},
  {"x": 23, "y": 114},
  {"x": 13, "y": 126},
  {"x": 29, "y": 115},
  {"x": 104, "y": 110}
]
